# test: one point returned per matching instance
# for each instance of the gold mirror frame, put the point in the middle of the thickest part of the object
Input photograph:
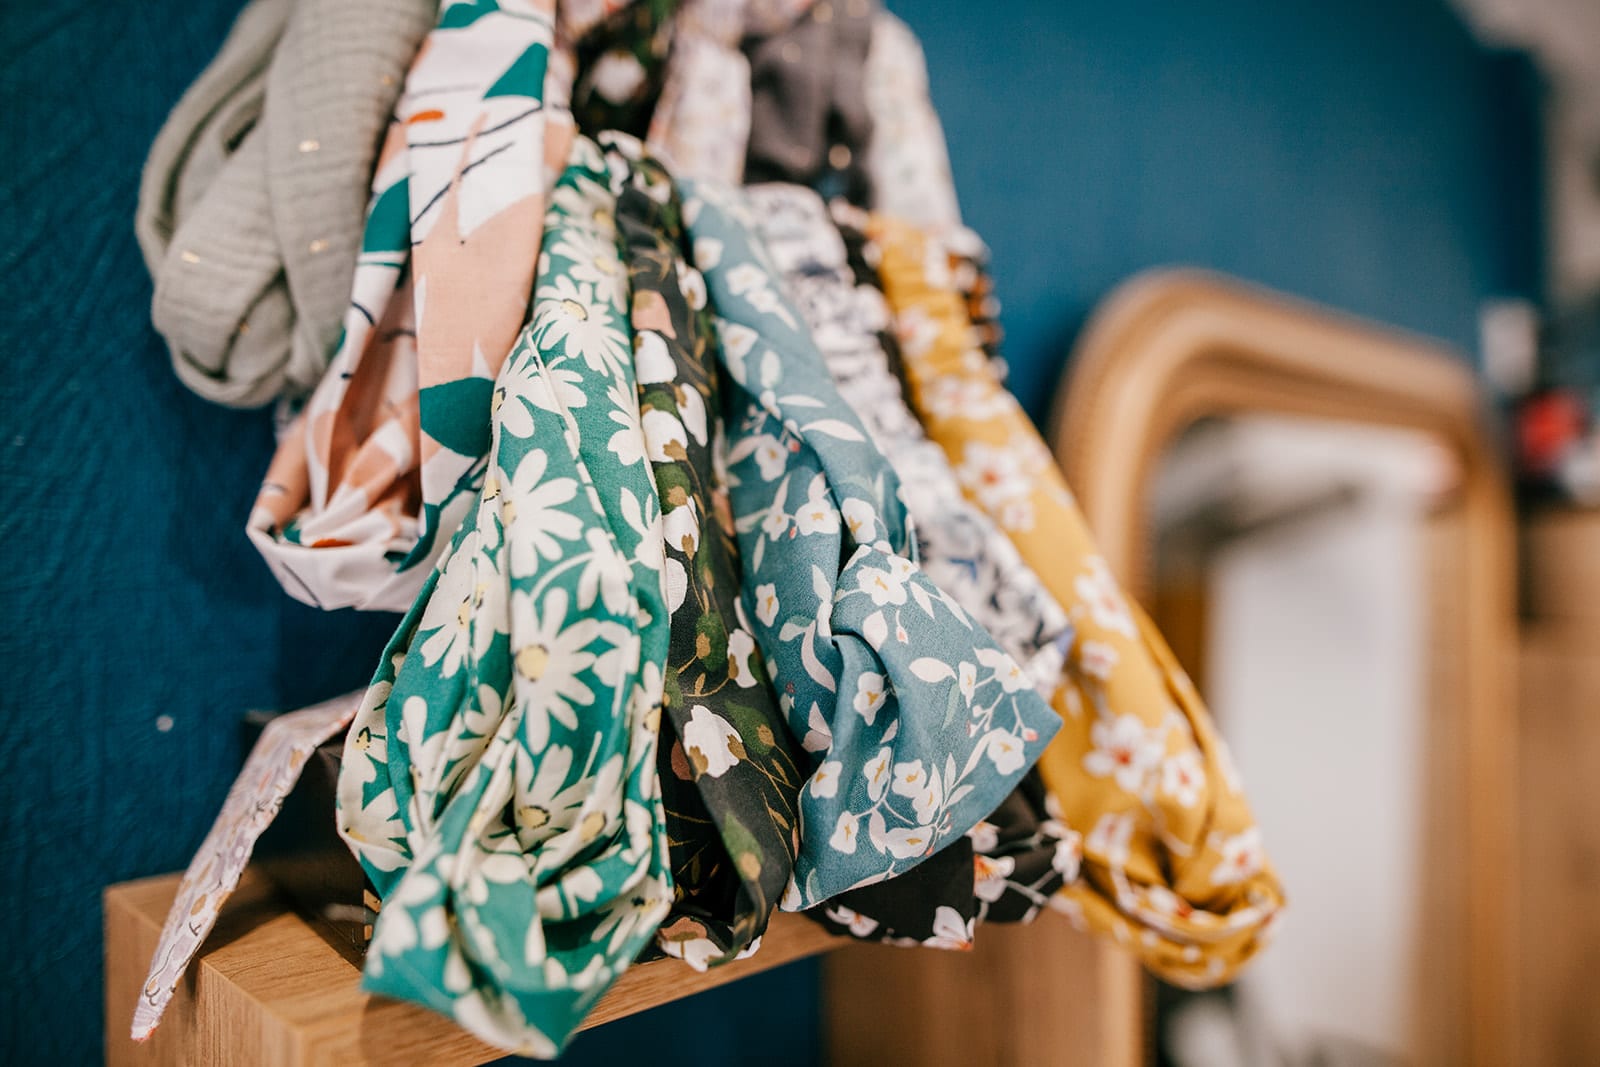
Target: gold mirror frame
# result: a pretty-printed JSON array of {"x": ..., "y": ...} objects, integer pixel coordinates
[{"x": 1171, "y": 347}]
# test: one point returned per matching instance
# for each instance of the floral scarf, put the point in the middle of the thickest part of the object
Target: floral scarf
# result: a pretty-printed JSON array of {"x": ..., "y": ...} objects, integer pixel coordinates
[
  {"x": 499, "y": 783},
  {"x": 730, "y": 769},
  {"x": 912, "y": 743},
  {"x": 1171, "y": 858},
  {"x": 376, "y": 472}
]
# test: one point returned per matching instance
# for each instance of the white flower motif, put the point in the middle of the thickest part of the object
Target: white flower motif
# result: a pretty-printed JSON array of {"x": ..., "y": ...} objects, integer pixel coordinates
[
  {"x": 990, "y": 876},
  {"x": 967, "y": 680},
  {"x": 741, "y": 646},
  {"x": 664, "y": 436},
  {"x": 1242, "y": 858},
  {"x": 711, "y": 743},
  {"x": 771, "y": 458},
  {"x": 776, "y": 523},
  {"x": 910, "y": 778},
  {"x": 877, "y": 774},
  {"x": 949, "y": 932},
  {"x": 985, "y": 837},
  {"x": 652, "y": 360},
  {"x": 692, "y": 410},
  {"x": 677, "y": 584},
  {"x": 544, "y": 802},
  {"x": 550, "y": 650},
  {"x": 569, "y": 312},
  {"x": 1067, "y": 858},
  {"x": 447, "y": 618},
  {"x": 693, "y": 286},
  {"x": 537, "y": 527},
  {"x": 860, "y": 519},
  {"x": 1109, "y": 839},
  {"x": 1123, "y": 748},
  {"x": 1183, "y": 777},
  {"x": 882, "y": 586},
  {"x": 767, "y": 603},
  {"x": 1097, "y": 659},
  {"x": 1098, "y": 589},
  {"x": 859, "y": 925},
  {"x": 905, "y": 843},
  {"x": 593, "y": 258},
  {"x": 825, "y": 780},
  {"x": 845, "y": 833},
  {"x": 870, "y": 695},
  {"x": 1006, "y": 751},
  {"x": 817, "y": 514},
  {"x": 819, "y": 735},
  {"x": 681, "y": 528},
  {"x": 1007, "y": 671},
  {"x": 994, "y": 474}
]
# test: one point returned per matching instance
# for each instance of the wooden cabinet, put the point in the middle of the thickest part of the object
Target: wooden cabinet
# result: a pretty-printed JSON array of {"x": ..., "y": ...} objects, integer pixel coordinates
[{"x": 1559, "y": 824}]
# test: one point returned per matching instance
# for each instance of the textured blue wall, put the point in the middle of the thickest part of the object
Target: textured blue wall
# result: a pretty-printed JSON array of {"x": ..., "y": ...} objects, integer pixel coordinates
[{"x": 1365, "y": 154}]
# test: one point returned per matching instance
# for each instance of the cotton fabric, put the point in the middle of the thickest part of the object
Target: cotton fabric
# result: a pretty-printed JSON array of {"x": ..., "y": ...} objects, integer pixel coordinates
[
  {"x": 912, "y": 743},
  {"x": 1171, "y": 860},
  {"x": 730, "y": 769},
  {"x": 499, "y": 783},
  {"x": 250, "y": 206}
]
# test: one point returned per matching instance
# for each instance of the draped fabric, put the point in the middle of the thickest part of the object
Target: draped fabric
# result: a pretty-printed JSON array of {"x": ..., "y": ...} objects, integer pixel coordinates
[
  {"x": 250, "y": 205},
  {"x": 380, "y": 467},
  {"x": 730, "y": 769},
  {"x": 912, "y": 742},
  {"x": 499, "y": 782},
  {"x": 1172, "y": 861}
]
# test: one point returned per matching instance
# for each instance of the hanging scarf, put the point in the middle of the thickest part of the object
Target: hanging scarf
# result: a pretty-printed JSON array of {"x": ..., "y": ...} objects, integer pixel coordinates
[
  {"x": 499, "y": 783},
  {"x": 730, "y": 769},
  {"x": 380, "y": 468},
  {"x": 960, "y": 550},
  {"x": 250, "y": 205},
  {"x": 1171, "y": 859},
  {"x": 913, "y": 742}
]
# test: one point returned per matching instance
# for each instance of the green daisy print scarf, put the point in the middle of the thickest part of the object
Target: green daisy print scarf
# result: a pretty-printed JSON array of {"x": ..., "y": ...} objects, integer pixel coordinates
[{"x": 499, "y": 783}]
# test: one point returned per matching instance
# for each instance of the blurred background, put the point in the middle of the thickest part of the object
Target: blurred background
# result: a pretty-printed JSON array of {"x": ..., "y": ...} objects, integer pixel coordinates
[{"x": 1433, "y": 165}]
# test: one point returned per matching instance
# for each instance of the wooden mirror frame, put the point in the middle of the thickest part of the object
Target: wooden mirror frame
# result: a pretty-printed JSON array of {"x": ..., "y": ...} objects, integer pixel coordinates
[{"x": 1171, "y": 347}]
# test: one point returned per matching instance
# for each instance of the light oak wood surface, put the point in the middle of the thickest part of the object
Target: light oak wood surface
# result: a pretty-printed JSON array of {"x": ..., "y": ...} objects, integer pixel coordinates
[{"x": 268, "y": 990}]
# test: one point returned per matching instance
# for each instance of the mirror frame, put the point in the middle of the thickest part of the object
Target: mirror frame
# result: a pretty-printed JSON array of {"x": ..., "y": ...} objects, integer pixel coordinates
[{"x": 1170, "y": 347}]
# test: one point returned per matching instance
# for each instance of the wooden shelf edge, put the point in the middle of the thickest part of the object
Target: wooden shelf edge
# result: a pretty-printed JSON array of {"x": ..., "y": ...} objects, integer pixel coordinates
[{"x": 268, "y": 989}]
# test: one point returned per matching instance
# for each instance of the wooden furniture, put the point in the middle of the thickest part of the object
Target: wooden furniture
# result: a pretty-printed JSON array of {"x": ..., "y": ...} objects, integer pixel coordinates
[
  {"x": 1172, "y": 347},
  {"x": 269, "y": 990},
  {"x": 1559, "y": 838}
]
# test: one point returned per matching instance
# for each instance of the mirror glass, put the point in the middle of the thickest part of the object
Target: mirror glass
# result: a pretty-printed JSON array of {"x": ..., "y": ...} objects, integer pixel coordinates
[{"x": 1297, "y": 570}]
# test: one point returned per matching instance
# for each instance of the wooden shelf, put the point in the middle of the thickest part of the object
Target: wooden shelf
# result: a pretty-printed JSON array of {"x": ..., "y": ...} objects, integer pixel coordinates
[{"x": 267, "y": 989}]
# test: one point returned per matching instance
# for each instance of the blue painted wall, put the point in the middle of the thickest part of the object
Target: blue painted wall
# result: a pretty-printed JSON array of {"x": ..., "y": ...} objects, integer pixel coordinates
[{"x": 1364, "y": 153}]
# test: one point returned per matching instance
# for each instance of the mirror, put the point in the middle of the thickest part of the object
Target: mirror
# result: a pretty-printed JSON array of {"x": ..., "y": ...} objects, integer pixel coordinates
[{"x": 1312, "y": 510}]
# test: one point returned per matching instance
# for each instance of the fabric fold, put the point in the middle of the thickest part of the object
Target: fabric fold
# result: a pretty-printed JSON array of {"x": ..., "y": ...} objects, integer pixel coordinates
[
  {"x": 1172, "y": 862},
  {"x": 499, "y": 784},
  {"x": 378, "y": 470},
  {"x": 729, "y": 767},
  {"x": 912, "y": 743},
  {"x": 251, "y": 201}
]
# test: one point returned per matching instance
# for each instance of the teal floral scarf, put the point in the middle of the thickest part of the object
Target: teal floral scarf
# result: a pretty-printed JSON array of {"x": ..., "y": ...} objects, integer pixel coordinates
[{"x": 912, "y": 743}]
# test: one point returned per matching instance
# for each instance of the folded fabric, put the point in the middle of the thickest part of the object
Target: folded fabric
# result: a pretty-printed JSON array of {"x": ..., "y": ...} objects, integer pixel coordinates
[
  {"x": 250, "y": 205},
  {"x": 375, "y": 474},
  {"x": 809, "y": 117},
  {"x": 1172, "y": 862},
  {"x": 499, "y": 783},
  {"x": 729, "y": 767},
  {"x": 960, "y": 549},
  {"x": 912, "y": 742}
]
